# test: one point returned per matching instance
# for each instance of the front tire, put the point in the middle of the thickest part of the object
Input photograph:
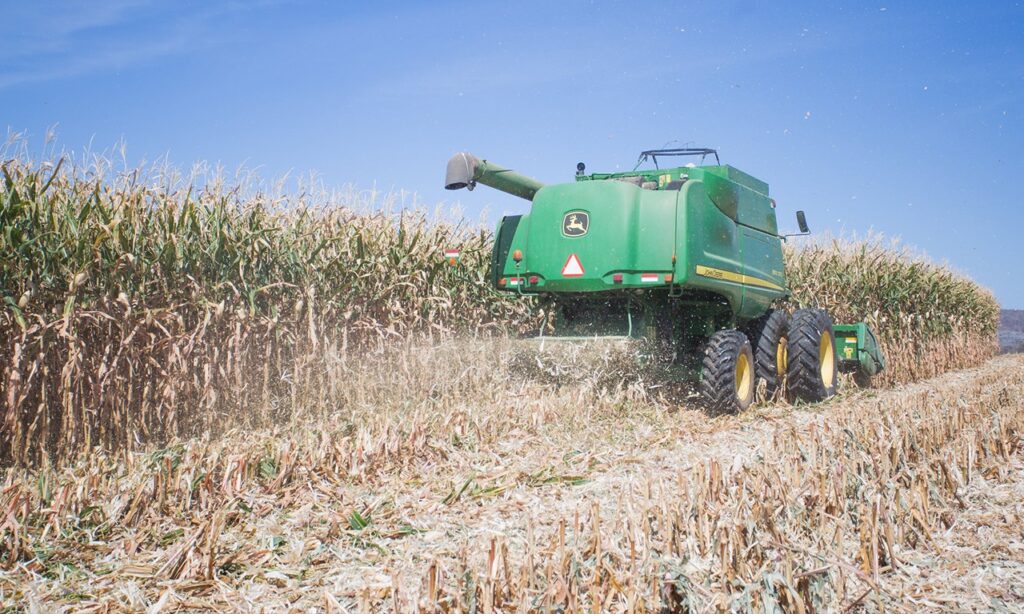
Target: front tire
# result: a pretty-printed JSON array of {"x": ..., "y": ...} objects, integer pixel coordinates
[
  {"x": 812, "y": 372},
  {"x": 727, "y": 372}
]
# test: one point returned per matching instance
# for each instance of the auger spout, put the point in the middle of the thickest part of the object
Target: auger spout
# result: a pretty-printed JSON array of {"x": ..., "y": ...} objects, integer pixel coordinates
[{"x": 466, "y": 170}]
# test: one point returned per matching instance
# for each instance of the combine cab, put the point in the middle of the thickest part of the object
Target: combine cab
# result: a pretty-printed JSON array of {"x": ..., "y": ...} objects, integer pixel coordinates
[{"x": 688, "y": 257}]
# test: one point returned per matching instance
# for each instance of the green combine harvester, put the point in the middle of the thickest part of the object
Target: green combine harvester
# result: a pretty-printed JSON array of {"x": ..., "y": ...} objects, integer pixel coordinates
[{"x": 688, "y": 258}]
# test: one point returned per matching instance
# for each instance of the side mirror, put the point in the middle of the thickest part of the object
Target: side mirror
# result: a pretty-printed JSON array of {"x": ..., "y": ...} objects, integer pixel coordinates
[{"x": 801, "y": 221}]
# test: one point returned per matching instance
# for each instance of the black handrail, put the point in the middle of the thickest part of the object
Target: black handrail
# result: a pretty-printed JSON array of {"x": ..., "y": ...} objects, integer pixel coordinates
[{"x": 652, "y": 154}]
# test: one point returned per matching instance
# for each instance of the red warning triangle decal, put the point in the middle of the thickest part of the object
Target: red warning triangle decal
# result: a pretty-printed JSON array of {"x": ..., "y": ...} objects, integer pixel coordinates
[{"x": 572, "y": 267}]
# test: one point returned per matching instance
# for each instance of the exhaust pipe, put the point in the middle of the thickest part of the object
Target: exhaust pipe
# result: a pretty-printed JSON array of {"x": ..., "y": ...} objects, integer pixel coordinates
[{"x": 466, "y": 170}]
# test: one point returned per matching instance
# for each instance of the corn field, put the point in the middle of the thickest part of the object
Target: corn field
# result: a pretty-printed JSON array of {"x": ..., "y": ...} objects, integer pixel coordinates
[
  {"x": 225, "y": 396},
  {"x": 139, "y": 308},
  {"x": 137, "y": 313}
]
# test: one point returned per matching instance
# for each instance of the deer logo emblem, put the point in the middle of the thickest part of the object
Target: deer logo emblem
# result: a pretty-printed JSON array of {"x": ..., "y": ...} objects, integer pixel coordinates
[{"x": 575, "y": 223}]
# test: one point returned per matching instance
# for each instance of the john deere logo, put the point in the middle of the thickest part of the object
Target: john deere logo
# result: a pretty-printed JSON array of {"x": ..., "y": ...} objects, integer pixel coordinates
[{"x": 575, "y": 223}]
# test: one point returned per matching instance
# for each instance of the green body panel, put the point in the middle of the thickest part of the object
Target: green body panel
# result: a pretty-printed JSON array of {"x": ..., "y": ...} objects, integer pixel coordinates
[
  {"x": 858, "y": 349},
  {"x": 673, "y": 237},
  {"x": 741, "y": 203},
  {"x": 622, "y": 235}
]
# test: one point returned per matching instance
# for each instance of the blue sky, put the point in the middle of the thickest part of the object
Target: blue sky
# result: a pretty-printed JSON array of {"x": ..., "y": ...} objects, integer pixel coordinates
[{"x": 901, "y": 118}]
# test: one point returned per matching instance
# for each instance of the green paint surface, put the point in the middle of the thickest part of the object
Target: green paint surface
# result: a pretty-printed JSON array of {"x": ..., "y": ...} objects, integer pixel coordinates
[{"x": 673, "y": 222}]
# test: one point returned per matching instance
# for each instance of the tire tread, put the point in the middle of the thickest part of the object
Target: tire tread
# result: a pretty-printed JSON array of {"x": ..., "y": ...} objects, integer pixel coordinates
[
  {"x": 764, "y": 334},
  {"x": 804, "y": 377},
  {"x": 718, "y": 370}
]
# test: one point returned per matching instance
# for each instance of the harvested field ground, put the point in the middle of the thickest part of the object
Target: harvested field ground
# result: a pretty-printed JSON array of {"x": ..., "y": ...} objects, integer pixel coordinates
[{"x": 434, "y": 479}]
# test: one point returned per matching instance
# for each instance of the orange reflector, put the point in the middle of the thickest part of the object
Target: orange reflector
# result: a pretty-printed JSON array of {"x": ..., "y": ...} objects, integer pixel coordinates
[
  {"x": 502, "y": 282},
  {"x": 517, "y": 255},
  {"x": 668, "y": 278},
  {"x": 452, "y": 261}
]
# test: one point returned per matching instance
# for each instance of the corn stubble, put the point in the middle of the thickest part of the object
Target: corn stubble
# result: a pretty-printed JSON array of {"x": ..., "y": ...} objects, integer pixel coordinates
[
  {"x": 301, "y": 377},
  {"x": 436, "y": 480}
]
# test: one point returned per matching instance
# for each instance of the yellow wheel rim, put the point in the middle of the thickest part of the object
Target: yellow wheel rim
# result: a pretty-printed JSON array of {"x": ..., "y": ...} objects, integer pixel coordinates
[
  {"x": 782, "y": 357},
  {"x": 827, "y": 360},
  {"x": 744, "y": 377}
]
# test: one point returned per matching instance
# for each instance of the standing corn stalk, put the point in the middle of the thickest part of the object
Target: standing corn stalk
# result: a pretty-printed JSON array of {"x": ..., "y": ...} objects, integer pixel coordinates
[{"x": 137, "y": 313}]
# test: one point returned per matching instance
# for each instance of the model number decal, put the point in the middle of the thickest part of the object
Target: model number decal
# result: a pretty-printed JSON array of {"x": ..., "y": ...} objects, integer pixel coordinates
[{"x": 749, "y": 280}]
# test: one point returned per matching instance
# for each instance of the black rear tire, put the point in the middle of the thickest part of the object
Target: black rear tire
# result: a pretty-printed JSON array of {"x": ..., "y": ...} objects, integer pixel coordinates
[
  {"x": 769, "y": 336},
  {"x": 727, "y": 372},
  {"x": 812, "y": 373}
]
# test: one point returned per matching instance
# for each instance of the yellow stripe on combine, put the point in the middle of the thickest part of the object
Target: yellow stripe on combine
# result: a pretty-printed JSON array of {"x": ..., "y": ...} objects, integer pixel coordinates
[{"x": 736, "y": 277}]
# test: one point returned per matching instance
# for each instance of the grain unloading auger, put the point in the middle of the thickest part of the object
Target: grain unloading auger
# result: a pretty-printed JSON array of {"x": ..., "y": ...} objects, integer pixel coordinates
[{"x": 688, "y": 258}]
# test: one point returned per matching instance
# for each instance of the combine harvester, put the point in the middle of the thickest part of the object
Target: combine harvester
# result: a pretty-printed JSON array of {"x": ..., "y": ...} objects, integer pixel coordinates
[{"x": 688, "y": 258}]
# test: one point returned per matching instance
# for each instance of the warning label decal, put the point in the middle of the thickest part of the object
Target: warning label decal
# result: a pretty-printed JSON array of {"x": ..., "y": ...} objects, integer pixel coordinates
[{"x": 573, "y": 267}]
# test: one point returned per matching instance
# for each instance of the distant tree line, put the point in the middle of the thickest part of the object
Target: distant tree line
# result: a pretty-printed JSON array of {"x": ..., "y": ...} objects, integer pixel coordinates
[{"x": 1012, "y": 319}]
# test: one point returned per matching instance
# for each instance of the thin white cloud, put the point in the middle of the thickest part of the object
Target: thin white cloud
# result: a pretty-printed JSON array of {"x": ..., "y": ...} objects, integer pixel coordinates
[
  {"x": 47, "y": 41},
  {"x": 48, "y": 27},
  {"x": 111, "y": 57}
]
